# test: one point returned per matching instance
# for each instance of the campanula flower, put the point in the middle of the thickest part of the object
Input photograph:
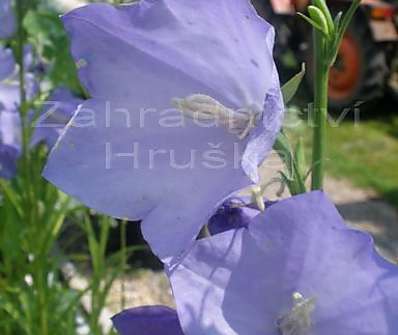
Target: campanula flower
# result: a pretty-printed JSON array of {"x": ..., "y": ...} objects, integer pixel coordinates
[
  {"x": 63, "y": 104},
  {"x": 297, "y": 269},
  {"x": 10, "y": 122},
  {"x": 55, "y": 115},
  {"x": 7, "y": 19},
  {"x": 148, "y": 320},
  {"x": 185, "y": 104},
  {"x": 9, "y": 80}
]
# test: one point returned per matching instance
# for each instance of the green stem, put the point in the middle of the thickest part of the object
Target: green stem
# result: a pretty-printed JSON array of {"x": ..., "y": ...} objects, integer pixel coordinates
[
  {"x": 123, "y": 241},
  {"x": 319, "y": 111},
  {"x": 20, "y": 11},
  {"x": 27, "y": 173}
]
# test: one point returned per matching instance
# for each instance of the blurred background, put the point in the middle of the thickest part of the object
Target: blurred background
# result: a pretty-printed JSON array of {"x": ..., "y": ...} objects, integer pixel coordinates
[{"x": 92, "y": 267}]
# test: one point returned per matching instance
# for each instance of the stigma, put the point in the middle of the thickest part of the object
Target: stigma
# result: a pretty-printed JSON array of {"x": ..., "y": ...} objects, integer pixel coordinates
[
  {"x": 298, "y": 320},
  {"x": 200, "y": 107}
]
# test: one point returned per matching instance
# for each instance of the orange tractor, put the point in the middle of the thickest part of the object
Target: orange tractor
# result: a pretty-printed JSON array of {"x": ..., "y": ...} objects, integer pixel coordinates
[{"x": 367, "y": 62}]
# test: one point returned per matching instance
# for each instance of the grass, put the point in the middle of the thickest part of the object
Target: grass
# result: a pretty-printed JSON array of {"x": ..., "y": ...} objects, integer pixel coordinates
[
  {"x": 366, "y": 151},
  {"x": 367, "y": 154}
]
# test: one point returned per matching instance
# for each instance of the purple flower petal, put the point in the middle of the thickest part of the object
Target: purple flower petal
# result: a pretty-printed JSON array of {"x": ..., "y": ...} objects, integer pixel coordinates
[
  {"x": 132, "y": 172},
  {"x": 136, "y": 60},
  {"x": 8, "y": 161},
  {"x": 10, "y": 128},
  {"x": 149, "y": 320},
  {"x": 7, "y": 63},
  {"x": 9, "y": 96},
  {"x": 10, "y": 143},
  {"x": 297, "y": 269},
  {"x": 57, "y": 112},
  {"x": 10, "y": 92},
  {"x": 232, "y": 214},
  {"x": 7, "y": 19},
  {"x": 29, "y": 58},
  {"x": 32, "y": 86}
]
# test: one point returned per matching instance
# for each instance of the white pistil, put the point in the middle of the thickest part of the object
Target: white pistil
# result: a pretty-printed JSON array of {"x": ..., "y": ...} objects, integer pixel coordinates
[
  {"x": 298, "y": 320},
  {"x": 202, "y": 107}
]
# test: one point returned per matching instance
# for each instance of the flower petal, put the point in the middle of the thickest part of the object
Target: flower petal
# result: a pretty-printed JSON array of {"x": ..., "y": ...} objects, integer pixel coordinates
[
  {"x": 242, "y": 281},
  {"x": 217, "y": 45},
  {"x": 10, "y": 143},
  {"x": 148, "y": 320},
  {"x": 137, "y": 59},
  {"x": 10, "y": 129},
  {"x": 8, "y": 161},
  {"x": 232, "y": 214},
  {"x": 9, "y": 96},
  {"x": 10, "y": 92},
  {"x": 7, "y": 63},
  {"x": 131, "y": 166},
  {"x": 7, "y": 19},
  {"x": 57, "y": 111},
  {"x": 118, "y": 51}
]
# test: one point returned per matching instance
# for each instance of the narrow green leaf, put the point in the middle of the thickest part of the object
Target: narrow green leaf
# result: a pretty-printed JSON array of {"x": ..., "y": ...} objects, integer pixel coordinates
[
  {"x": 346, "y": 19},
  {"x": 317, "y": 15},
  {"x": 299, "y": 157},
  {"x": 12, "y": 196},
  {"x": 282, "y": 147},
  {"x": 337, "y": 20},
  {"x": 321, "y": 4},
  {"x": 289, "y": 89},
  {"x": 312, "y": 23},
  {"x": 344, "y": 23}
]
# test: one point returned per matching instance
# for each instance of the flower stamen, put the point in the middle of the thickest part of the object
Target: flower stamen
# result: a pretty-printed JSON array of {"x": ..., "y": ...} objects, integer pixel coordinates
[
  {"x": 298, "y": 320},
  {"x": 202, "y": 107}
]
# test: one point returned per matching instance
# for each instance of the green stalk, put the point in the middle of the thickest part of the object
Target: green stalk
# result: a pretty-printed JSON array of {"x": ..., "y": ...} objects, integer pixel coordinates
[
  {"x": 319, "y": 111},
  {"x": 26, "y": 170},
  {"x": 39, "y": 266},
  {"x": 20, "y": 12},
  {"x": 123, "y": 265}
]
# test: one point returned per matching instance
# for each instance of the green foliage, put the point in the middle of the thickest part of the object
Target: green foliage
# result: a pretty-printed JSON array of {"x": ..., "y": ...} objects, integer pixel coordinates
[
  {"x": 294, "y": 175},
  {"x": 289, "y": 89},
  {"x": 33, "y": 299},
  {"x": 331, "y": 30},
  {"x": 366, "y": 154},
  {"x": 45, "y": 31},
  {"x": 327, "y": 36},
  {"x": 104, "y": 269}
]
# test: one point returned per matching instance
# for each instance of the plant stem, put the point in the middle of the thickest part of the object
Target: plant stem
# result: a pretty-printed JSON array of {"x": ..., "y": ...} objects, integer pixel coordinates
[
  {"x": 319, "y": 112},
  {"x": 20, "y": 11},
  {"x": 123, "y": 265},
  {"x": 39, "y": 265}
]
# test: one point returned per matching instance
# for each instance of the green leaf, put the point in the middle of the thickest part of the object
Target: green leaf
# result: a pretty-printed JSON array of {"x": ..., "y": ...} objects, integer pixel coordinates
[
  {"x": 295, "y": 179},
  {"x": 289, "y": 89},
  {"x": 337, "y": 20},
  {"x": 317, "y": 15},
  {"x": 344, "y": 23},
  {"x": 321, "y": 4},
  {"x": 299, "y": 157},
  {"x": 312, "y": 23},
  {"x": 348, "y": 17}
]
